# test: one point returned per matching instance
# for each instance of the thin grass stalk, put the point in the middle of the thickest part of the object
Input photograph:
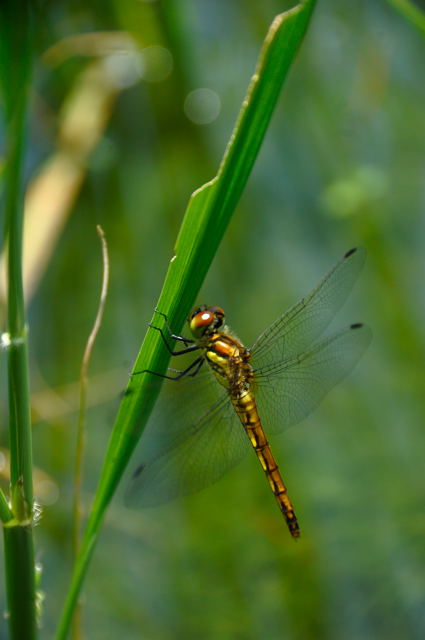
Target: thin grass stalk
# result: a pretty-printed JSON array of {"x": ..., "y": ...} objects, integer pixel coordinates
[{"x": 79, "y": 457}]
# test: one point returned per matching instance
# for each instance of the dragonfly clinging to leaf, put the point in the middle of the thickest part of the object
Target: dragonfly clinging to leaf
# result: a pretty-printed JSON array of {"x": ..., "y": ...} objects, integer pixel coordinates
[{"x": 230, "y": 396}]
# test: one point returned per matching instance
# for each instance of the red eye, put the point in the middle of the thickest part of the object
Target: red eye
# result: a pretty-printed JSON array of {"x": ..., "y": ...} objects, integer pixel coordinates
[
  {"x": 205, "y": 320},
  {"x": 201, "y": 318}
]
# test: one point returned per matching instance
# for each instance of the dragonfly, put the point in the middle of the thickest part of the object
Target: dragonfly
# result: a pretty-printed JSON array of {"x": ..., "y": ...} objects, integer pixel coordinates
[{"x": 231, "y": 396}]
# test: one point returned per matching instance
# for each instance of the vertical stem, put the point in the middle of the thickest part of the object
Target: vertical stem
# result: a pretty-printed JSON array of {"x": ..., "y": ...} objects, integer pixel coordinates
[
  {"x": 19, "y": 562},
  {"x": 15, "y": 60},
  {"x": 19, "y": 418},
  {"x": 15, "y": 71}
]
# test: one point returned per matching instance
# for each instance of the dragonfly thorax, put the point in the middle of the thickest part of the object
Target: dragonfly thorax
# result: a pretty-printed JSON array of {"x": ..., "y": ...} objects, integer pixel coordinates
[
  {"x": 224, "y": 353},
  {"x": 229, "y": 360}
]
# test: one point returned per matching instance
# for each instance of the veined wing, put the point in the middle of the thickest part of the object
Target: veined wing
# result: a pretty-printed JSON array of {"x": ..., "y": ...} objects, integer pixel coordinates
[
  {"x": 287, "y": 391},
  {"x": 193, "y": 438},
  {"x": 304, "y": 323}
]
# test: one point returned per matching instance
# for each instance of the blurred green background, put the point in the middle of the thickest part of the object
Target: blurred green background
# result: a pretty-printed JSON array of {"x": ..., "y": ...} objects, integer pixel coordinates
[{"x": 158, "y": 85}]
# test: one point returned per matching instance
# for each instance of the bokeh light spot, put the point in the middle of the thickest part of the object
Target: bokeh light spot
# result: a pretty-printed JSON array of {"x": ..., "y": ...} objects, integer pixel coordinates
[
  {"x": 202, "y": 106},
  {"x": 124, "y": 68},
  {"x": 347, "y": 196},
  {"x": 47, "y": 492},
  {"x": 157, "y": 63}
]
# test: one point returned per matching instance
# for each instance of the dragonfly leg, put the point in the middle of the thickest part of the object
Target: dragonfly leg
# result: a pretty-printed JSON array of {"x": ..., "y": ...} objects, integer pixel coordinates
[
  {"x": 190, "y": 371},
  {"x": 170, "y": 333},
  {"x": 192, "y": 347}
]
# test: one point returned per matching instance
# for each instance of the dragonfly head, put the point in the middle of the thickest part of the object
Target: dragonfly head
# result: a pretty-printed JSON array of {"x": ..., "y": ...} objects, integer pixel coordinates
[{"x": 204, "y": 321}]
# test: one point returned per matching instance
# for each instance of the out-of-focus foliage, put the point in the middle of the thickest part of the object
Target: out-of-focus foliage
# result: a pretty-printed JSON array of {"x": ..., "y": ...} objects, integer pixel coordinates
[{"x": 133, "y": 103}]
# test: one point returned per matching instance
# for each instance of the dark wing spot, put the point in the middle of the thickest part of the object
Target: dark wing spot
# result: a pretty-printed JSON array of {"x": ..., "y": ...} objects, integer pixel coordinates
[
  {"x": 139, "y": 470},
  {"x": 350, "y": 252}
]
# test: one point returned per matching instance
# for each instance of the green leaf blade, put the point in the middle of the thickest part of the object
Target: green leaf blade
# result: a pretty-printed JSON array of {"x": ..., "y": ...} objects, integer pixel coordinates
[{"x": 206, "y": 219}]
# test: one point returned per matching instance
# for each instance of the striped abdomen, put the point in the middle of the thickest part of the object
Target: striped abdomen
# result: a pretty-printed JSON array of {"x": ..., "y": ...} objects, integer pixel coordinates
[
  {"x": 246, "y": 408},
  {"x": 229, "y": 361}
]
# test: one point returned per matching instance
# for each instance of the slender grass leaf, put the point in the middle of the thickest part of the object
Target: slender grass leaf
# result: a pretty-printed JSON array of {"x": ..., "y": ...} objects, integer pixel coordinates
[{"x": 207, "y": 216}]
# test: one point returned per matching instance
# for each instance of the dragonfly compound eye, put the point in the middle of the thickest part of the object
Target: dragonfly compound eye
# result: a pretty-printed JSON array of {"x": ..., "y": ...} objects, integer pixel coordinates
[{"x": 205, "y": 320}]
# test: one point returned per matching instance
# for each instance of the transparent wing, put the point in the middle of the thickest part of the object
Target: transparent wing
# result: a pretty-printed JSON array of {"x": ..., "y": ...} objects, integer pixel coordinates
[
  {"x": 191, "y": 441},
  {"x": 287, "y": 391},
  {"x": 304, "y": 323}
]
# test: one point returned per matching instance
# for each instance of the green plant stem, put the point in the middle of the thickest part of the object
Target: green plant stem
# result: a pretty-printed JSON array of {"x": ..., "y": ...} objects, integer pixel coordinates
[
  {"x": 20, "y": 429},
  {"x": 15, "y": 64},
  {"x": 15, "y": 46},
  {"x": 205, "y": 221},
  {"x": 5, "y": 513},
  {"x": 19, "y": 561}
]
